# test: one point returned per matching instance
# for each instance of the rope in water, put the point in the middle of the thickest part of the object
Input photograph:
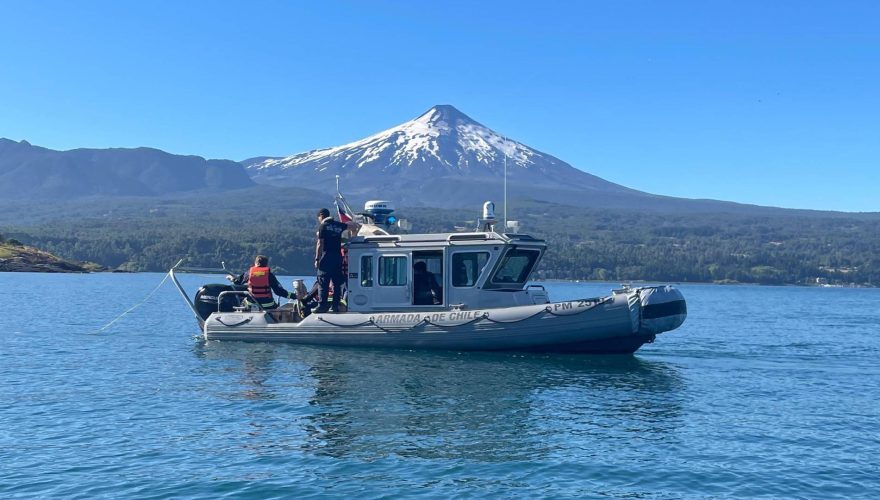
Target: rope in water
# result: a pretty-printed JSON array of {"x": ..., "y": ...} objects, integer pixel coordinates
[{"x": 132, "y": 308}]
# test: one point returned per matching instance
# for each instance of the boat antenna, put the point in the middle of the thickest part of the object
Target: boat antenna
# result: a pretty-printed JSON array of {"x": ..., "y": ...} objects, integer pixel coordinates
[
  {"x": 337, "y": 183},
  {"x": 505, "y": 193}
]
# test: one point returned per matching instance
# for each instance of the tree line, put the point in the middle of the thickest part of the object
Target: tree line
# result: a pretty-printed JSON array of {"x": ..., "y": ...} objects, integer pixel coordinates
[{"x": 584, "y": 244}]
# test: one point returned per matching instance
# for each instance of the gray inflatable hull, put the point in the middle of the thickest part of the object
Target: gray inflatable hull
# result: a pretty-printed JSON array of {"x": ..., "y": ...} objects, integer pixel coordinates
[{"x": 616, "y": 324}]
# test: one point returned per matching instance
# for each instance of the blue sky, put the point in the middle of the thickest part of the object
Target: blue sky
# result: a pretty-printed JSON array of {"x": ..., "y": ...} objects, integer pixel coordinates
[{"x": 773, "y": 103}]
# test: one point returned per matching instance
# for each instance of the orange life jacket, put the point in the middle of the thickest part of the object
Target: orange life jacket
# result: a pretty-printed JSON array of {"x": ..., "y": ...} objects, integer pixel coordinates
[{"x": 258, "y": 283}]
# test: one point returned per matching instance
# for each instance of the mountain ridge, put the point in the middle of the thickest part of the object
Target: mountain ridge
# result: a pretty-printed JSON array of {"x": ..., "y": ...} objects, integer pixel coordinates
[
  {"x": 36, "y": 172},
  {"x": 442, "y": 141},
  {"x": 444, "y": 158}
]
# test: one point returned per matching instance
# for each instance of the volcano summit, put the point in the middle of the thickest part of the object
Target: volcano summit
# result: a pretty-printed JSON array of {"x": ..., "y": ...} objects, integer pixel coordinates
[{"x": 441, "y": 158}]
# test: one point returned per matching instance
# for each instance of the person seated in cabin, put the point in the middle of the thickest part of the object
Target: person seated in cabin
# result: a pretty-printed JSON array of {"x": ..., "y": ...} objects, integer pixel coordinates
[
  {"x": 461, "y": 277},
  {"x": 261, "y": 282},
  {"x": 426, "y": 290}
]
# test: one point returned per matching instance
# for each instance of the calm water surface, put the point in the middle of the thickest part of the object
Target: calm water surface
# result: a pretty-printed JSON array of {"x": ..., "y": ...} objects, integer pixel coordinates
[{"x": 763, "y": 392}]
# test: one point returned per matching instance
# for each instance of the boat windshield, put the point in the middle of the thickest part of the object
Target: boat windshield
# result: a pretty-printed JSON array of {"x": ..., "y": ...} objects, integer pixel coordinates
[
  {"x": 467, "y": 267},
  {"x": 516, "y": 266}
]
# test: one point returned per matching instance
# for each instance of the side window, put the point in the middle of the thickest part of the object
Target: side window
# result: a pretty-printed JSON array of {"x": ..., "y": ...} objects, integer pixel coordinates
[
  {"x": 367, "y": 271},
  {"x": 515, "y": 267},
  {"x": 392, "y": 271},
  {"x": 467, "y": 267}
]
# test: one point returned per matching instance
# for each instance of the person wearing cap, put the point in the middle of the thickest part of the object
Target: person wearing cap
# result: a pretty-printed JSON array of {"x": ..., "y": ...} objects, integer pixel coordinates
[{"x": 328, "y": 258}]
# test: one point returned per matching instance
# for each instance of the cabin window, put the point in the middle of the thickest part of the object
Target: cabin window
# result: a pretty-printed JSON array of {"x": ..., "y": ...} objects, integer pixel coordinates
[
  {"x": 515, "y": 267},
  {"x": 392, "y": 271},
  {"x": 427, "y": 277},
  {"x": 366, "y": 271},
  {"x": 467, "y": 267}
]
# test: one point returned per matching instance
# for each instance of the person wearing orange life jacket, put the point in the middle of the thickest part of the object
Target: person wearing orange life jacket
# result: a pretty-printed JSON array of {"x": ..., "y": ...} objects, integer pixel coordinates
[{"x": 261, "y": 282}]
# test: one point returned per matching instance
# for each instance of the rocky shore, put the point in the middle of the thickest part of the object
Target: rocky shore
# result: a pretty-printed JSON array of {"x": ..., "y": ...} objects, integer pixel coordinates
[{"x": 16, "y": 257}]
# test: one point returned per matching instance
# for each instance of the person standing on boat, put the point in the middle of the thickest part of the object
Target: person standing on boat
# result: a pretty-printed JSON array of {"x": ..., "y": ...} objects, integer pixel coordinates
[
  {"x": 328, "y": 258},
  {"x": 261, "y": 282}
]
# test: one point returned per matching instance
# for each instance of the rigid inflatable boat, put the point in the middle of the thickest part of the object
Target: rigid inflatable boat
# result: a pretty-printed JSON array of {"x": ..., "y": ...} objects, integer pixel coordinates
[{"x": 485, "y": 302}]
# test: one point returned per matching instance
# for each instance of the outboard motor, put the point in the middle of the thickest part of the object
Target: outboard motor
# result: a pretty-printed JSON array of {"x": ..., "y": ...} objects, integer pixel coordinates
[
  {"x": 663, "y": 309},
  {"x": 208, "y": 295}
]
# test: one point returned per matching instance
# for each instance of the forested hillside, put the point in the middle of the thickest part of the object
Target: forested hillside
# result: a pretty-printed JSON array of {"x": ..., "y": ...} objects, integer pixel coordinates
[{"x": 584, "y": 243}]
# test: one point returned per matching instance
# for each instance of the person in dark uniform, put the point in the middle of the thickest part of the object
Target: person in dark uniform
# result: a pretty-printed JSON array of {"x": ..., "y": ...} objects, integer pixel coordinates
[
  {"x": 328, "y": 258},
  {"x": 261, "y": 282},
  {"x": 310, "y": 300},
  {"x": 426, "y": 290}
]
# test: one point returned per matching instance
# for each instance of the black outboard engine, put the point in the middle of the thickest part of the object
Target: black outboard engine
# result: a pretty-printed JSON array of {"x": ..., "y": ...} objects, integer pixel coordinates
[{"x": 208, "y": 295}]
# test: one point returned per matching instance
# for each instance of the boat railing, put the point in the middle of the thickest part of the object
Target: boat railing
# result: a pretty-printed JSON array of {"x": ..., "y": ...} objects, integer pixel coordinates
[
  {"x": 244, "y": 293},
  {"x": 202, "y": 270},
  {"x": 382, "y": 237},
  {"x": 179, "y": 268},
  {"x": 468, "y": 236}
]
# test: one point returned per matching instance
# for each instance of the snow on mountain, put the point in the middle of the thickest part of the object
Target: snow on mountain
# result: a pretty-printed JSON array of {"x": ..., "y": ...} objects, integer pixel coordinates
[
  {"x": 444, "y": 158},
  {"x": 441, "y": 142}
]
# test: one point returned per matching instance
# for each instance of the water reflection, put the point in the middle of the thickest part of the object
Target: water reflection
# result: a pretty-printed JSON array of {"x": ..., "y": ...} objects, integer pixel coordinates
[
  {"x": 371, "y": 404},
  {"x": 254, "y": 365}
]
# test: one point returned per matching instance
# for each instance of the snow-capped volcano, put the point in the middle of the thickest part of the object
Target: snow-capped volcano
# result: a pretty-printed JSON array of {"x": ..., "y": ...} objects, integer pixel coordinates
[
  {"x": 434, "y": 153},
  {"x": 441, "y": 138}
]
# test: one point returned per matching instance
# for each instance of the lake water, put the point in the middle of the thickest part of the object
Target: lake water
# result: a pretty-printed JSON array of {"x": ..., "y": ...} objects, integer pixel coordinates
[{"x": 763, "y": 392}]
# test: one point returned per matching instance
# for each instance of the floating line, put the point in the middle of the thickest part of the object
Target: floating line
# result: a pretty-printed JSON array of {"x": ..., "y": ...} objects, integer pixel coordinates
[{"x": 132, "y": 308}]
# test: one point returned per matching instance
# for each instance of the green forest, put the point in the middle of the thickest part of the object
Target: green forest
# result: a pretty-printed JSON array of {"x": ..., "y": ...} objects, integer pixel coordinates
[{"x": 587, "y": 244}]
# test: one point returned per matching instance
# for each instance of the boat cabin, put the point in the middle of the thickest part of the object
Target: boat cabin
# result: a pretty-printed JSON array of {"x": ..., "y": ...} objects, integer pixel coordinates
[{"x": 471, "y": 270}]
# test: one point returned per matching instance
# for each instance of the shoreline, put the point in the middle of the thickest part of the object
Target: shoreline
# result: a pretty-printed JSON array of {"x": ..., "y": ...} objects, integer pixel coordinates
[{"x": 78, "y": 268}]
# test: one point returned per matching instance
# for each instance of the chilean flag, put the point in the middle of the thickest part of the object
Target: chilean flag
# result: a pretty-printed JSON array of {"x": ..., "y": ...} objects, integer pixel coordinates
[{"x": 344, "y": 216}]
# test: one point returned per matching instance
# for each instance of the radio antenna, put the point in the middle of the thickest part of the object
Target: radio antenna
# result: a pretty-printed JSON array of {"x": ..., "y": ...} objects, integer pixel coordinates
[{"x": 505, "y": 193}]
